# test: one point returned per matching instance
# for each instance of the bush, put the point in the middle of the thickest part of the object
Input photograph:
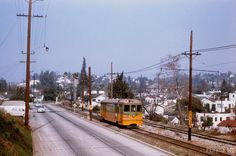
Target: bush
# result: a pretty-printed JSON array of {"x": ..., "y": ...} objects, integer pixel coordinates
[
  {"x": 15, "y": 138},
  {"x": 157, "y": 117},
  {"x": 96, "y": 109}
]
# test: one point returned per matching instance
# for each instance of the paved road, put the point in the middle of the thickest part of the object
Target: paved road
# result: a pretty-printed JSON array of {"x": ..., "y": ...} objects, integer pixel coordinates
[{"x": 58, "y": 132}]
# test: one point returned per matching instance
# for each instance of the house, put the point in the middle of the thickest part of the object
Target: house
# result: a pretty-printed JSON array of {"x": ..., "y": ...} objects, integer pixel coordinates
[
  {"x": 227, "y": 126},
  {"x": 151, "y": 99},
  {"x": 39, "y": 99},
  {"x": 216, "y": 118},
  {"x": 150, "y": 108},
  {"x": 96, "y": 101},
  {"x": 32, "y": 83},
  {"x": 218, "y": 105},
  {"x": 63, "y": 81},
  {"x": 202, "y": 96},
  {"x": 162, "y": 103},
  {"x": 15, "y": 108},
  {"x": 173, "y": 120}
]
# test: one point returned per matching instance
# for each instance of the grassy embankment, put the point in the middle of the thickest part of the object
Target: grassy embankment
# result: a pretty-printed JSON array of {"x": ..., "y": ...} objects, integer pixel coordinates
[{"x": 15, "y": 139}]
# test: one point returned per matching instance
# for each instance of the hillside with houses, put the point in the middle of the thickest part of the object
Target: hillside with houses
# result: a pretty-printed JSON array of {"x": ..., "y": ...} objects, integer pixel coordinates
[{"x": 165, "y": 97}]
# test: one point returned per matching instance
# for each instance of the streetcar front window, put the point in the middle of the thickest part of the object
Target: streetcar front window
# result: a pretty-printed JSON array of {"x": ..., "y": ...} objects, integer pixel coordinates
[
  {"x": 139, "y": 108},
  {"x": 127, "y": 108},
  {"x": 133, "y": 108}
]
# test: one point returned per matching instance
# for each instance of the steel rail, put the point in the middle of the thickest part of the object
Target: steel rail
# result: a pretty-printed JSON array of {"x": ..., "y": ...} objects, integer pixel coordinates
[
  {"x": 212, "y": 138},
  {"x": 183, "y": 144}
]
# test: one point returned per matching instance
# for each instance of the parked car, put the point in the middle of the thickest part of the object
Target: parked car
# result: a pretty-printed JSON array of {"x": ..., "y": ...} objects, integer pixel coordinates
[
  {"x": 3, "y": 98},
  {"x": 38, "y": 105},
  {"x": 41, "y": 109}
]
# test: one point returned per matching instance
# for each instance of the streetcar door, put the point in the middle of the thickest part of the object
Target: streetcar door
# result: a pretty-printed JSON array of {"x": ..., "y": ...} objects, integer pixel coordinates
[
  {"x": 120, "y": 113},
  {"x": 116, "y": 112}
]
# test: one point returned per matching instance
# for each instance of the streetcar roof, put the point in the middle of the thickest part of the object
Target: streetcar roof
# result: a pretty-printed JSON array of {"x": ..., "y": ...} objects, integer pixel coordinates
[{"x": 121, "y": 101}]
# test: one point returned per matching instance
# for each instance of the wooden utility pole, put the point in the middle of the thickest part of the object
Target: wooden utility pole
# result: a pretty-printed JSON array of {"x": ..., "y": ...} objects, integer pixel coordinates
[
  {"x": 90, "y": 94},
  {"x": 28, "y": 53},
  {"x": 190, "y": 114},
  {"x": 82, "y": 92},
  {"x": 27, "y": 87},
  {"x": 111, "y": 89}
]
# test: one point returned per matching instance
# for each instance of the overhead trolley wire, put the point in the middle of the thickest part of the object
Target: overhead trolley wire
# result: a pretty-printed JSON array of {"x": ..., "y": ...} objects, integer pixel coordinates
[
  {"x": 154, "y": 66},
  {"x": 214, "y": 49},
  {"x": 196, "y": 70},
  {"x": 218, "y": 64},
  {"x": 7, "y": 35},
  {"x": 157, "y": 65}
]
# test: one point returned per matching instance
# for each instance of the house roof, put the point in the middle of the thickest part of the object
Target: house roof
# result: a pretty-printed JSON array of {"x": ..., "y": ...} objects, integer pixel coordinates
[
  {"x": 171, "y": 118},
  {"x": 227, "y": 123}
]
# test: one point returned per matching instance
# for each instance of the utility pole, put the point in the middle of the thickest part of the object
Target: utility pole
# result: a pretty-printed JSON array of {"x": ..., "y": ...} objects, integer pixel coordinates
[
  {"x": 27, "y": 87},
  {"x": 111, "y": 89},
  {"x": 75, "y": 85},
  {"x": 82, "y": 92},
  {"x": 90, "y": 95},
  {"x": 28, "y": 67},
  {"x": 190, "y": 116},
  {"x": 111, "y": 81}
]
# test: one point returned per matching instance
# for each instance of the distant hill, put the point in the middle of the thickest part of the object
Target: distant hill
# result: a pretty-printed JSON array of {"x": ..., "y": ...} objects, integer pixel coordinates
[{"x": 15, "y": 139}]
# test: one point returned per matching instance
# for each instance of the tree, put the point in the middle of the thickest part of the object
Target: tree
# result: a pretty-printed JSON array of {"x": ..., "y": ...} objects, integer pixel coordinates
[
  {"x": 226, "y": 87},
  {"x": 142, "y": 85},
  {"x": 196, "y": 107},
  {"x": 172, "y": 84},
  {"x": 234, "y": 109},
  {"x": 83, "y": 80},
  {"x": 201, "y": 86},
  {"x": 48, "y": 84},
  {"x": 84, "y": 72},
  {"x": 121, "y": 88},
  {"x": 19, "y": 94},
  {"x": 207, "y": 122},
  {"x": 3, "y": 85},
  {"x": 196, "y": 104}
]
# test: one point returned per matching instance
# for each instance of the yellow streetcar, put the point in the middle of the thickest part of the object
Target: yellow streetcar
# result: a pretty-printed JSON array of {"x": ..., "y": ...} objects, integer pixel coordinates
[{"x": 124, "y": 112}]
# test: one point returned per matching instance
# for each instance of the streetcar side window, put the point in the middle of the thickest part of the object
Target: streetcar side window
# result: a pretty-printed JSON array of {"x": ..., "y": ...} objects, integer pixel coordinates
[
  {"x": 139, "y": 108},
  {"x": 127, "y": 108},
  {"x": 133, "y": 108}
]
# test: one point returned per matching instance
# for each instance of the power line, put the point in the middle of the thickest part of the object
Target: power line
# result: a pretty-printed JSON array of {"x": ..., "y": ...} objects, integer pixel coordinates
[
  {"x": 196, "y": 70},
  {"x": 157, "y": 65},
  {"x": 154, "y": 66},
  {"x": 214, "y": 49},
  {"x": 219, "y": 64},
  {"x": 7, "y": 35}
]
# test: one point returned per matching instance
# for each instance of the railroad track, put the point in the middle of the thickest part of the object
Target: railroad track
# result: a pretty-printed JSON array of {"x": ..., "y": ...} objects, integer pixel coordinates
[
  {"x": 212, "y": 138},
  {"x": 183, "y": 144}
]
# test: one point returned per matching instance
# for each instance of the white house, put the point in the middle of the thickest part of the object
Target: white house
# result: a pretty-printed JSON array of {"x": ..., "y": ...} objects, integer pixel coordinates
[
  {"x": 15, "y": 108},
  {"x": 151, "y": 99},
  {"x": 162, "y": 104},
  {"x": 173, "y": 120},
  {"x": 32, "y": 82},
  {"x": 216, "y": 117},
  {"x": 63, "y": 81},
  {"x": 218, "y": 105},
  {"x": 97, "y": 100},
  {"x": 232, "y": 97},
  {"x": 159, "y": 109}
]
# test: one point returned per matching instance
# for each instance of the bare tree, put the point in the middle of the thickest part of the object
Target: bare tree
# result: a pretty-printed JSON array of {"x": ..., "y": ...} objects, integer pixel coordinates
[
  {"x": 159, "y": 91},
  {"x": 171, "y": 85}
]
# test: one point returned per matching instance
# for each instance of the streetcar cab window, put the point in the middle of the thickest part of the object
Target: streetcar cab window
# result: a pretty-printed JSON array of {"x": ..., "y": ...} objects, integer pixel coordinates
[
  {"x": 139, "y": 108},
  {"x": 127, "y": 108},
  {"x": 133, "y": 108}
]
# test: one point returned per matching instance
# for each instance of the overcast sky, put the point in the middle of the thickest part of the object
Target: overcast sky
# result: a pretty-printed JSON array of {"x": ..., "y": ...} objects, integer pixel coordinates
[{"x": 133, "y": 34}]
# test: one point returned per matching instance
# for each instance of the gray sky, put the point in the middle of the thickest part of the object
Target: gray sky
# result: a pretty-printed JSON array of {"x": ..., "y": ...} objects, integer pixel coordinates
[{"x": 133, "y": 34}]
